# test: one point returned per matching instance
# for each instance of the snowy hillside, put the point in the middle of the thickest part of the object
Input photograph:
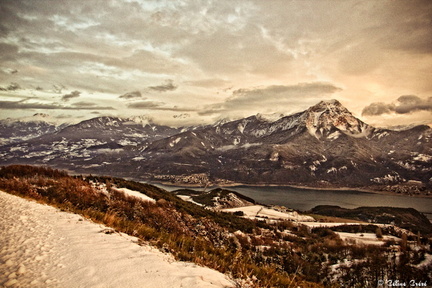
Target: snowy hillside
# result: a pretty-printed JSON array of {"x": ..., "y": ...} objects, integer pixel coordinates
[
  {"x": 256, "y": 246},
  {"x": 44, "y": 247}
]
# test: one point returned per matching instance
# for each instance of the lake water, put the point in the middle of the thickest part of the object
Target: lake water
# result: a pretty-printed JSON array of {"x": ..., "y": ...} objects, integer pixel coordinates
[{"x": 306, "y": 199}]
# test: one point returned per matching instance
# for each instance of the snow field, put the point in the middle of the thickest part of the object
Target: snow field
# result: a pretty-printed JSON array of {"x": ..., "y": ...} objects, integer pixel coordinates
[
  {"x": 40, "y": 246},
  {"x": 136, "y": 194},
  {"x": 259, "y": 211},
  {"x": 366, "y": 238}
]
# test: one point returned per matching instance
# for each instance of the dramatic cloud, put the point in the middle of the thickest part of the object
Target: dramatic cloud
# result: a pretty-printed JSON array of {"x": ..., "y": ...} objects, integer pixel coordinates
[
  {"x": 412, "y": 103},
  {"x": 158, "y": 106},
  {"x": 84, "y": 104},
  {"x": 19, "y": 105},
  {"x": 11, "y": 87},
  {"x": 131, "y": 95},
  {"x": 259, "y": 49},
  {"x": 273, "y": 97},
  {"x": 378, "y": 108},
  {"x": 404, "y": 105},
  {"x": 73, "y": 94},
  {"x": 167, "y": 86},
  {"x": 282, "y": 91},
  {"x": 145, "y": 105}
]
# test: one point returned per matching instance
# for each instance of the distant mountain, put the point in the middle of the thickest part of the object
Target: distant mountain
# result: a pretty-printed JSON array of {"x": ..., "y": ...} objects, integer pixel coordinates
[
  {"x": 324, "y": 146},
  {"x": 114, "y": 131},
  {"x": 90, "y": 144},
  {"x": 17, "y": 130}
]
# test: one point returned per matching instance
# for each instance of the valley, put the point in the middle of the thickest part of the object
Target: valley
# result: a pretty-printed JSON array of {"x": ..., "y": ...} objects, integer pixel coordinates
[
  {"x": 254, "y": 245},
  {"x": 244, "y": 202}
]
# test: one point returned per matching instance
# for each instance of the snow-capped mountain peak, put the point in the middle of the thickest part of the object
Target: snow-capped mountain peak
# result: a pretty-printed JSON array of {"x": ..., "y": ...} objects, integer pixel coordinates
[
  {"x": 328, "y": 117},
  {"x": 221, "y": 121},
  {"x": 16, "y": 130},
  {"x": 143, "y": 120},
  {"x": 269, "y": 117}
]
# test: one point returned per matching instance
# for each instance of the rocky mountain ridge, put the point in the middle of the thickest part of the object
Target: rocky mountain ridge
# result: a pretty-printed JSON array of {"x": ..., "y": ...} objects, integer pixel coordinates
[{"x": 323, "y": 146}]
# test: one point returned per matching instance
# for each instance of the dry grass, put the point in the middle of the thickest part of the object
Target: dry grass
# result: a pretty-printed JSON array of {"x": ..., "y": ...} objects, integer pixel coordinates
[
  {"x": 165, "y": 224},
  {"x": 260, "y": 255}
]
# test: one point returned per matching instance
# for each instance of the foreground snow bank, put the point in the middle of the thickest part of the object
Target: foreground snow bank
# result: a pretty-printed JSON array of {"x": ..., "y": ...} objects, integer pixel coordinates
[{"x": 41, "y": 246}]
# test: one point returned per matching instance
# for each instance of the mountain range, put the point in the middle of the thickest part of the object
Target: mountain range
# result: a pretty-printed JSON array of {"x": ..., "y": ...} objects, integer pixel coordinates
[
  {"x": 324, "y": 146},
  {"x": 13, "y": 131}
]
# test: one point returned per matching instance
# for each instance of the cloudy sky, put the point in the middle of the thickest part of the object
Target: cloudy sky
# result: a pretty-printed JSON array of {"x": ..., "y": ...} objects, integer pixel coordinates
[{"x": 189, "y": 62}]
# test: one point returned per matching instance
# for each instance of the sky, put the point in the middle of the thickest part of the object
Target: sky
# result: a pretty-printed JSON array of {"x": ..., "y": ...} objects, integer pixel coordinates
[{"x": 181, "y": 62}]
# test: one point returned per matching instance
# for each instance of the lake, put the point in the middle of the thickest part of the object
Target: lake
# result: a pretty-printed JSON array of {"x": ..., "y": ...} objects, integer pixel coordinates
[{"x": 306, "y": 199}]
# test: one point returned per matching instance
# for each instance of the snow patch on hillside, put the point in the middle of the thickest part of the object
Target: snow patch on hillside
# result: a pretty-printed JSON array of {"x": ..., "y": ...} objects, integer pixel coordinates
[
  {"x": 175, "y": 141},
  {"x": 244, "y": 146},
  {"x": 136, "y": 194},
  {"x": 189, "y": 199},
  {"x": 366, "y": 238},
  {"x": 262, "y": 212},
  {"x": 423, "y": 158}
]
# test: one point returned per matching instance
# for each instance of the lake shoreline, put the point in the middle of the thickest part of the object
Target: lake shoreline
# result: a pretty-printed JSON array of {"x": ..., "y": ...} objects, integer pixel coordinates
[
  {"x": 300, "y": 187},
  {"x": 302, "y": 198}
]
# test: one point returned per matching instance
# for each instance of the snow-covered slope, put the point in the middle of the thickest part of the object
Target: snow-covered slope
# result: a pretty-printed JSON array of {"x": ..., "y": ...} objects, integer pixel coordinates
[
  {"x": 16, "y": 130},
  {"x": 135, "y": 194},
  {"x": 44, "y": 247},
  {"x": 325, "y": 146},
  {"x": 260, "y": 212}
]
